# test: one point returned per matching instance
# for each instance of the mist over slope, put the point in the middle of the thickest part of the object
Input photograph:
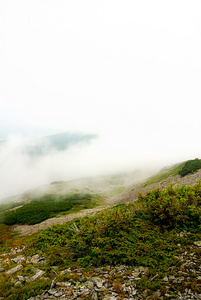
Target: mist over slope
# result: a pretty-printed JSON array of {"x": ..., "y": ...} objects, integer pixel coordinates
[{"x": 26, "y": 164}]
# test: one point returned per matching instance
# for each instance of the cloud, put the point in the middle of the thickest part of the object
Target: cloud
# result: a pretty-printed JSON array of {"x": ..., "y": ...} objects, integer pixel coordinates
[{"x": 21, "y": 170}]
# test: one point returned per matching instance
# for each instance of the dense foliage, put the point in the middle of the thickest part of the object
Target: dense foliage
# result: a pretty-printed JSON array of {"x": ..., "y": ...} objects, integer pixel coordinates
[
  {"x": 42, "y": 208},
  {"x": 174, "y": 206},
  {"x": 126, "y": 234},
  {"x": 190, "y": 166}
]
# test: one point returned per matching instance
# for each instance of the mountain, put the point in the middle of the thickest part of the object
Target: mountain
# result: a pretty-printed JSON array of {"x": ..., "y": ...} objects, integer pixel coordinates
[
  {"x": 59, "y": 142},
  {"x": 146, "y": 247}
]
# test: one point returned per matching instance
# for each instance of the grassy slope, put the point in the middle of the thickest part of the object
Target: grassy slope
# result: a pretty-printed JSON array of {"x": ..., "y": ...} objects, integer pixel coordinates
[
  {"x": 164, "y": 175},
  {"x": 120, "y": 235}
]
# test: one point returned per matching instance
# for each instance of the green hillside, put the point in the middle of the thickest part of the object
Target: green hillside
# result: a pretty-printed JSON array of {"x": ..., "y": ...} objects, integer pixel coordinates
[
  {"x": 147, "y": 249},
  {"x": 183, "y": 169}
]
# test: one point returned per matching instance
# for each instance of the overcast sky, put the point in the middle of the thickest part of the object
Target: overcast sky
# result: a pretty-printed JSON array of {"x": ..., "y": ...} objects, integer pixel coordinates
[{"x": 127, "y": 70}]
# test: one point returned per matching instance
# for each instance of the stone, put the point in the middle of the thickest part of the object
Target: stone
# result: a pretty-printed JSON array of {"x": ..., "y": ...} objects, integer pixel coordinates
[
  {"x": 98, "y": 281},
  {"x": 18, "y": 283},
  {"x": 198, "y": 243},
  {"x": 109, "y": 297},
  {"x": 87, "y": 285},
  {"x": 63, "y": 284},
  {"x": 20, "y": 278},
  {"x": 143, "y": 269},
  {"x": 135, "y": 274},
  {"x": 165, "y": 279},
  {"x": 19, "y": 259},
  {"x": 36, "y": 276},
  {"x": 66, "y": 271},
  {"x": 37, "y": 259},
  {"x": 14, "y": 270}
]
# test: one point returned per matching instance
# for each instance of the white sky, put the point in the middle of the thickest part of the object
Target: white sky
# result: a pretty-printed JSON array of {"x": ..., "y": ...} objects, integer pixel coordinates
[{"x": 128, "y": 70}]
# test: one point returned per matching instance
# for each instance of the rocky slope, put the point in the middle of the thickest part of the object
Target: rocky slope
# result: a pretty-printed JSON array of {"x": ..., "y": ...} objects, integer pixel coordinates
[{"x": 107, "y": 283}]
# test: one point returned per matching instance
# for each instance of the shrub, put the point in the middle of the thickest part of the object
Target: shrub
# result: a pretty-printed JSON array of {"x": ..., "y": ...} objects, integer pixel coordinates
[
  {"x": 174, "y": 206},
  {"x": 190, "y": 166}
]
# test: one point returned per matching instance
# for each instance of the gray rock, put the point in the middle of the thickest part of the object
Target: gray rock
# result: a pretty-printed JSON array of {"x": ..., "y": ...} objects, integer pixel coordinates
[
  {"x": 88, "y": 285},
  {"x": 38, "y": 274},
  {"x": 18, "y": 283},
  {"x": 37, "y": 259},
  {"x": 198, "y": 243},
  {"x": 19, "y": 259},
  {"x": 20, "y": 278},
  {"x": 165, "y": 279},
  {"x": 109, "y": 297},
  {"x": 93, "y": 296},
  {"x": 14, "y": 270},
  {"x": 97, "y": 281},
  {"x": 66, "y": 271}
]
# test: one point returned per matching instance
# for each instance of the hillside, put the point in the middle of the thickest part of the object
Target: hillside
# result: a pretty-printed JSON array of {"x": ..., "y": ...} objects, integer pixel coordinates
[{"x": 144, "y": 249}]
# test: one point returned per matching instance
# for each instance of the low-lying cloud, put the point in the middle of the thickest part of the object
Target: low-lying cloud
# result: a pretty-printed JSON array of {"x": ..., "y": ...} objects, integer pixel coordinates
[{"x": 21, "y": 170}]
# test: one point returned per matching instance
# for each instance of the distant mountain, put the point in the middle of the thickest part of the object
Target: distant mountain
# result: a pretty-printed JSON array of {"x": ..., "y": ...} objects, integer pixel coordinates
[{"x": 59, "y": 142}]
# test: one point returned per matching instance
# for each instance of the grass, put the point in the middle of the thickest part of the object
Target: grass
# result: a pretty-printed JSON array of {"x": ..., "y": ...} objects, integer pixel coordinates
[
  {"x": 114, "y": 192},
  {"x": 164, "y": 175}
]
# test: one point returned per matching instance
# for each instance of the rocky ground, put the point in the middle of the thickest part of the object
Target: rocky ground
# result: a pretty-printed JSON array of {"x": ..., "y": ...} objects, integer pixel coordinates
[{"x": 108, "y": 283}]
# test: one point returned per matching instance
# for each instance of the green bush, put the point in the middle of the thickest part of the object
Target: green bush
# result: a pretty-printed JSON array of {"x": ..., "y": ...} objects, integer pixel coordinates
[
  {"x": 121, "y": 235},
  {"x": 174, "y": 206},
  {"x": 190, "y": 166}
]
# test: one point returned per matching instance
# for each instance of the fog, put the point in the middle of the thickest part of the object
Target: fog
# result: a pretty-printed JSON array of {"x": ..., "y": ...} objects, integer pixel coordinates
[
  {"x": 127, "y": 72},
  {"x": 21, "y": 171}
]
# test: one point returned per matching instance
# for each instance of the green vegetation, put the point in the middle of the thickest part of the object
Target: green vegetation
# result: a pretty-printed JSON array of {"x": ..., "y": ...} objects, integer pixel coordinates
[
  {"x": 191, "y": 166},
  {"x": 164, "y": 174},
  {"x": 128, "y": 234},
  {"x": 7, "y": 206},
  {"x": 22, "y": 292},
  {"x": 178, "y": 206},
  {"x": 143, "y": 233},
  {"x": 40, "y": 209}
]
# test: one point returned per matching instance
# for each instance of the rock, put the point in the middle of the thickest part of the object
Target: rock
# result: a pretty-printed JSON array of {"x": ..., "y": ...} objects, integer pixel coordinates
[
  {"x": 20, "y": 278},
  {"x": 52, "y": 292},
  {"x": 198, "y": 243},
  {"x": 143, "y": 269},
  {"x": 18, "y": 283},
  {"x": 37, "y": 259},
  {"x": 19, "y": 259},
  {"x": 165, "y": 279},
  {"x": 135, "y": 274},
  {"x": 36, "y": 276},
  {"x": 88, "y": 285},
  {"x": 109, "y": 297},
  {"x": 66, "y": 271},
  {"x": 98, "y": 281},
  {"x": 14, "y": 270},
  {"x": 63, "y": 284},
  {"x": 93, "y": 296}
]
